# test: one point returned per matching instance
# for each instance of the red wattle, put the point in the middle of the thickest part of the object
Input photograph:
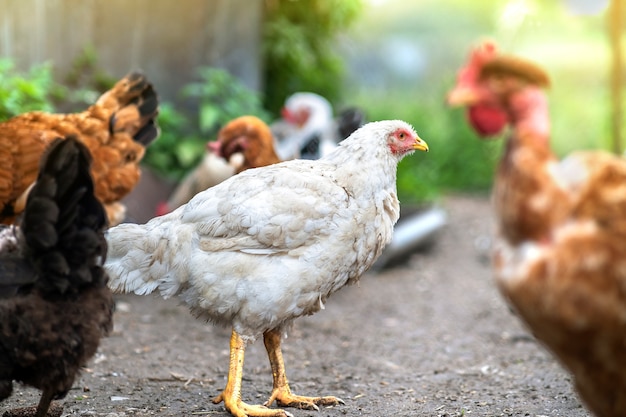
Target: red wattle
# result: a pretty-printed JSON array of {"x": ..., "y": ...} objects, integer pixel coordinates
[{"x": 487, "y": 120}]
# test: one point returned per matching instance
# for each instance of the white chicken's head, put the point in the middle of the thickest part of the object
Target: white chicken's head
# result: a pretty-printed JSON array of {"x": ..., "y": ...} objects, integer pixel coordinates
[{"x": 398, "y": 137}]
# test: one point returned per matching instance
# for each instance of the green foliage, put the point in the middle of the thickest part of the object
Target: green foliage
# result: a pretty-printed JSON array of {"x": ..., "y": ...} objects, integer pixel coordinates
[
  {"x": 178, "y": 149},
  {"x": 36, "y": 89},
  {"x": 220, "y": 98},
  {"x": 85, "y": 81},
  {"x": 299, "y": 52},
  {"x": 20, "y": 93},
  {"x": 86, "y": 71}
]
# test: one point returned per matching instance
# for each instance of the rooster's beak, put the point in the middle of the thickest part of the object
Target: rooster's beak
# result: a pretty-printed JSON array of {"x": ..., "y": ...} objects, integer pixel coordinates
[
  {"x": 420, "y": 145},
  {"x": 461, "y": 96}
]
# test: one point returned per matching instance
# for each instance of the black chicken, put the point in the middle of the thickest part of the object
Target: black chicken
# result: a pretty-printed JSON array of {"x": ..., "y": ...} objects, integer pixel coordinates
[{"x": 54, "y": 301}]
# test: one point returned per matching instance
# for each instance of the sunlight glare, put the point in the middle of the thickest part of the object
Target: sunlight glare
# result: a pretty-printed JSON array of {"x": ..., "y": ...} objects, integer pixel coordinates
[{"x": 515, "y": 13}]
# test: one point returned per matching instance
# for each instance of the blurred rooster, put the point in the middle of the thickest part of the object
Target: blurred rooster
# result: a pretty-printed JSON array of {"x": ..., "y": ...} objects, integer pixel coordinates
[
  {"x": 54, "y": 302},
  {"x": 561, "y": 254},
  {"x": 243, "y": 143},
  {"x": 116, "y": 129}
]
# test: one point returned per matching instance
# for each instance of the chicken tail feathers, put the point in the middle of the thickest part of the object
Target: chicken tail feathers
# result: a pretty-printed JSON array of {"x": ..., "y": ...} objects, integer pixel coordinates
[
  {"x": 63, "y": 222},
  {"x": 139, "y": 260},
  {"x": 134, "y": 106}
]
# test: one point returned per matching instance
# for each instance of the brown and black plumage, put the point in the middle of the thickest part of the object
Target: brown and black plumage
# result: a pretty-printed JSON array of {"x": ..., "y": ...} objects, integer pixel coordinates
[
  {"x": 54, "y": 301},
  {"x": 116, "y": 130}
]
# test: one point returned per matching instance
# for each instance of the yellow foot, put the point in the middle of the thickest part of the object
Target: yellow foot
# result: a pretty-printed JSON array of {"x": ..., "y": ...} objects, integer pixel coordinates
[
  {"x": 285, "y": 398},
  {"x": 240, "y": 409}
]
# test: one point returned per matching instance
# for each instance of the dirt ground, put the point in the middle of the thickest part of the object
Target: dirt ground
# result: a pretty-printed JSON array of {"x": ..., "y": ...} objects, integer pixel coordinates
[{"x": 429, "y": 337}]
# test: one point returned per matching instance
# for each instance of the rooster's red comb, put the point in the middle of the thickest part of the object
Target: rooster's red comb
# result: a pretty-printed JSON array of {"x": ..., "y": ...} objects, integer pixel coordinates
[{"x": 479, "y": 56}]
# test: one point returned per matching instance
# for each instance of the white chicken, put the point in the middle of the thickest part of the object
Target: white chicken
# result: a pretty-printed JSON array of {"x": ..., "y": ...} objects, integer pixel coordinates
[
  {"x": 307, "y": 129},
  {"x": 269, "y": 245}
]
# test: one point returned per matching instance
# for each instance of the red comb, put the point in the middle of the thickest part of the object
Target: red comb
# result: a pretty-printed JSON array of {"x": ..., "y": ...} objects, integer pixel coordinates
[{"x": 479, "y": 56}]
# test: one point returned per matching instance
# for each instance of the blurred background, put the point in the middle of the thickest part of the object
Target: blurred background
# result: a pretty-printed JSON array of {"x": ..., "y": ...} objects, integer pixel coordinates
[{"x": 213, "y": 60}]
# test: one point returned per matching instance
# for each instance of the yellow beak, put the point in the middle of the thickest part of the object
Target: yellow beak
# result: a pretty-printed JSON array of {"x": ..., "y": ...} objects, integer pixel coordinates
[{"x": 420, "y": 145}]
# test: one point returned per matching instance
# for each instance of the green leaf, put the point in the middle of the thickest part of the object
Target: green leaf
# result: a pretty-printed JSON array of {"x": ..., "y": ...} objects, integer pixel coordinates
[
  {"x": 209, "y": 116},
  {"x": 189, "y": 152}
]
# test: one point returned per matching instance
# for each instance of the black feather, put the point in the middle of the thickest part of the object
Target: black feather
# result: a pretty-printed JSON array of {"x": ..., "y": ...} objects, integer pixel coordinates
[
  {"x": 54, "y": 302},
  {"x": 147, "y": 134}
]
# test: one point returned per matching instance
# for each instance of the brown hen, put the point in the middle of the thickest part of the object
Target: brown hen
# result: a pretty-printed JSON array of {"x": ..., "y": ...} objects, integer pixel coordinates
[
  {"x": 116, "y": 129},
  {"x": 249, "y": 136},
  {"x": 561, "y": 252},
  {"x": 243, "y": 143}
]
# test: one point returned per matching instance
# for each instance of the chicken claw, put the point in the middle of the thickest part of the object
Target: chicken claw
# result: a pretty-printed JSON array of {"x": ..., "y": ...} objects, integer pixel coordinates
[
  {"x": 285, "y": 398},
  {"x": 239, "y": 408},
  {"x": 281, "y": 392}
]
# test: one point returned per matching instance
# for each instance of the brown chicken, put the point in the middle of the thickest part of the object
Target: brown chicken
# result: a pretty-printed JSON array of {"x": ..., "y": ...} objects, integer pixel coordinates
[
  {"x": 561, "y": 253},
  {"x": 243, "y": 143},
  {"x": 249, "y": 136},
  {"x": 116, "y": 129},
  {"x": 54, "y": 302}
]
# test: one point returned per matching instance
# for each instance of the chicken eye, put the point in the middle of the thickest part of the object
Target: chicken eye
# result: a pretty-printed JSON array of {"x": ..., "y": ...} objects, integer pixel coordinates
[{"x": 402, "y": 136}]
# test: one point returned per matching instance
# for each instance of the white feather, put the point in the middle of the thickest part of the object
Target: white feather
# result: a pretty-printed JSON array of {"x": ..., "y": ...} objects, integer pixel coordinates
[{"x": 270, "y": 244}]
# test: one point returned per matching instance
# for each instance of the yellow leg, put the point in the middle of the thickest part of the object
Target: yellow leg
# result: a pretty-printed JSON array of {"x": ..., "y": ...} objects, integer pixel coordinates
[
  {"x": 232, "y": 393},
  {"x": 281, "y": 392}
]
